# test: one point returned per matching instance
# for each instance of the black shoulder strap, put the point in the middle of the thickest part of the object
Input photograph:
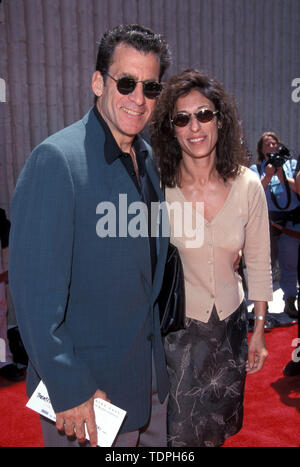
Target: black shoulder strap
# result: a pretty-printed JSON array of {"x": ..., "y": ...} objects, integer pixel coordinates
[{"x": 258, "y": 166}]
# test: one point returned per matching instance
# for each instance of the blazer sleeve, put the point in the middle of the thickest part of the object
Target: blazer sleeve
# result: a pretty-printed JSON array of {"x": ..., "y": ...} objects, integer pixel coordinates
[{"x": 41, "y": 242}]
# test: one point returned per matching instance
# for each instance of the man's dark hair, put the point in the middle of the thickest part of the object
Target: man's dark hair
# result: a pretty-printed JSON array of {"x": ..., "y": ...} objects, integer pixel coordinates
[{"x": 138, "y": 37}]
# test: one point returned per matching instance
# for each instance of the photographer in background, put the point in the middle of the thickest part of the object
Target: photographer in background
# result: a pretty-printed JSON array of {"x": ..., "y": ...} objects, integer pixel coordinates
[{"x": 276, "y": 169}]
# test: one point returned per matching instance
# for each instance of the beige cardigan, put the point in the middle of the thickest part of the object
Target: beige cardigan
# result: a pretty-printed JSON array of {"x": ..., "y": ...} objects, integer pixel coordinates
[{"x": 241, "y": 224}]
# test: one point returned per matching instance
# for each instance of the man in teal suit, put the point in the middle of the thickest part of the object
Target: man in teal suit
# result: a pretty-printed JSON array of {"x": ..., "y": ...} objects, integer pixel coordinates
[{"x": 84, "y": 289}]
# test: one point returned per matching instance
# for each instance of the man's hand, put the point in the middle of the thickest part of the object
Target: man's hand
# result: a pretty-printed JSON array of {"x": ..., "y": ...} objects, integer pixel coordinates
[{"x": 72, "y": 421}]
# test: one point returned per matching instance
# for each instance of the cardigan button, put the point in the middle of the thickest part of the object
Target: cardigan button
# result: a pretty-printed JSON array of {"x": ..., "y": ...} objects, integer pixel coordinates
[{"x": 150, "y": 336}]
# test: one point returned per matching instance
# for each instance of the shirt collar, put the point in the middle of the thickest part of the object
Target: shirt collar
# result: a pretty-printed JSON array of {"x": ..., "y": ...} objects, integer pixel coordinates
[{"x": 111, "y": 148}]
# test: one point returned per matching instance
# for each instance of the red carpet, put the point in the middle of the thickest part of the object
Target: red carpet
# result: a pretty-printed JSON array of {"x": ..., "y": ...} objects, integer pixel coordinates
[
  {"x": 272, "y": 404},
  {"x": 272, "y": 400},
  {"x": 19, "y": 426}
]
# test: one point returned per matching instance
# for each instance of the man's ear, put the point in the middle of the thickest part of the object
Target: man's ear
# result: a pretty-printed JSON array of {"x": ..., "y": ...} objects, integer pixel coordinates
[{"x": 97, "y": 83}]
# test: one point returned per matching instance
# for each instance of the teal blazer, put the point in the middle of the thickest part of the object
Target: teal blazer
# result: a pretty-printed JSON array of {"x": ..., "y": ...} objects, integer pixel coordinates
[{"x": 85, "y": 305}]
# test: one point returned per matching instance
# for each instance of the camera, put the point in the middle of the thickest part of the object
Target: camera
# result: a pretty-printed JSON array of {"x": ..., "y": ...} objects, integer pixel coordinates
[{"x": 277, "y": 159}]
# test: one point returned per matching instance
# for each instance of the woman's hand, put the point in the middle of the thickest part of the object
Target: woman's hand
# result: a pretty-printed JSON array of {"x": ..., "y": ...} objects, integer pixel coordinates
[{"x": 257, "y": 352}]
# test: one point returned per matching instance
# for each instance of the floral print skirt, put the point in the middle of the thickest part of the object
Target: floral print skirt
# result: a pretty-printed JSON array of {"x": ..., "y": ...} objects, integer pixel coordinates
[{"x": 206, "y": 365}]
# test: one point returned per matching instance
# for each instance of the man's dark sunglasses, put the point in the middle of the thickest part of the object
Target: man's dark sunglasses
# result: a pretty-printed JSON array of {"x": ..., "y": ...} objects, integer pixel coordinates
[
  {"x": 203, "y": 116},
  {"x": 126, "y": 85}
]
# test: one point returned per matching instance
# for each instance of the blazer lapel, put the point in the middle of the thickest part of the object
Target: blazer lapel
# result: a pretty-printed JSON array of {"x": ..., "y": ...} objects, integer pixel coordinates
[
  {"x": 116, "y": 188},
  {"x": 117, "y": 183}
]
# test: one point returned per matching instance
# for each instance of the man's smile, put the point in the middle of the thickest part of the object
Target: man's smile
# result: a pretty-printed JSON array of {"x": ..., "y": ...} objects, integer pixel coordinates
[{"x": 131, "y": 112}]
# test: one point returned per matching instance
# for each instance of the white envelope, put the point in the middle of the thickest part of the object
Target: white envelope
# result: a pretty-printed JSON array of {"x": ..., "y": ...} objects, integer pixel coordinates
[{"x": 108, "y": 416}]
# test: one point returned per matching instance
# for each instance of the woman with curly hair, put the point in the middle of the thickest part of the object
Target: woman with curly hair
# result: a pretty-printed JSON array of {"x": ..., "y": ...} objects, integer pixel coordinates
[{"x": 197, "y": 140}]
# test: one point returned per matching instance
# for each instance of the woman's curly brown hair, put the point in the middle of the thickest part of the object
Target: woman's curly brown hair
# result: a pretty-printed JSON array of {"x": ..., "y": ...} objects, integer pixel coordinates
[{"x": 231, "y": 152}]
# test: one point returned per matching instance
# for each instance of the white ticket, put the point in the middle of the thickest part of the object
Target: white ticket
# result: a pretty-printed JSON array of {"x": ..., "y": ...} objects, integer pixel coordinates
[{"x": 108, "y": 416}]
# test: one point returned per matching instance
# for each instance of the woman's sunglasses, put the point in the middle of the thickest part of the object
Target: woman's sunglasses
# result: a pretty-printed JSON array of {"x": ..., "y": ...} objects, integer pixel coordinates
[
  {"x": 126, "y": 85},
  {"x": 203, "y": 116}
]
